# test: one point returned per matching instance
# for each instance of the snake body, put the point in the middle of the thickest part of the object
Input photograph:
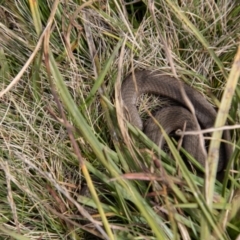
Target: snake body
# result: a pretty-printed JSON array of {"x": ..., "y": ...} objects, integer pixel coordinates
[{"x": 173, "y": 117}]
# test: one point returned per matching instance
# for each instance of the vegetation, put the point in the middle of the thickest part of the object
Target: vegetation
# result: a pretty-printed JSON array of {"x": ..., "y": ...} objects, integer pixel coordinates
[{"x": 62, "y": 131}]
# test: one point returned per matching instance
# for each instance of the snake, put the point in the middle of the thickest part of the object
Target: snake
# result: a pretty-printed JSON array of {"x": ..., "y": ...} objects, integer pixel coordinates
[{"x": 173, "y": 118}]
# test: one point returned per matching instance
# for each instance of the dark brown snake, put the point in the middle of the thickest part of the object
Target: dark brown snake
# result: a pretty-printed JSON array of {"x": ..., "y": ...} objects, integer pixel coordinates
[{"x": 173, "y": 118}]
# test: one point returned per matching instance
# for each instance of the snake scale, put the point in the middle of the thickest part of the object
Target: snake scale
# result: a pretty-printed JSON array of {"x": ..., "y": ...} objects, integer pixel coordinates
[{"x": 173, "y": 118}]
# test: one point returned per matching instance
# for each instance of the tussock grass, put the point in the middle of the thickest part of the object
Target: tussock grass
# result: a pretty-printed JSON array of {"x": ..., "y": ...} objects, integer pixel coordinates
[{"x": 62, "y": 125}]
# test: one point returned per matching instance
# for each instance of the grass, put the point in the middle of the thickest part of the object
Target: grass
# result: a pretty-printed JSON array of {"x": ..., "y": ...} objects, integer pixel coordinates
[{"x": 62, "y": 128}]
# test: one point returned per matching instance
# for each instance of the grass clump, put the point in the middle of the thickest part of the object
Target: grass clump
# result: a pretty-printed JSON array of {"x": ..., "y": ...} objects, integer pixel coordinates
[{"x": 61, "y": 68}]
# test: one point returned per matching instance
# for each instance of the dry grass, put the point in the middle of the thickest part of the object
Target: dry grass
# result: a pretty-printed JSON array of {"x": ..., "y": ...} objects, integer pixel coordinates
[{"x": 59, "y": 128}]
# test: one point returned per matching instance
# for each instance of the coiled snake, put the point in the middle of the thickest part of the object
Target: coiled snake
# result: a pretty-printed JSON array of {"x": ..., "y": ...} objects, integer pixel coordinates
[{"x": 172, "y": 118}]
